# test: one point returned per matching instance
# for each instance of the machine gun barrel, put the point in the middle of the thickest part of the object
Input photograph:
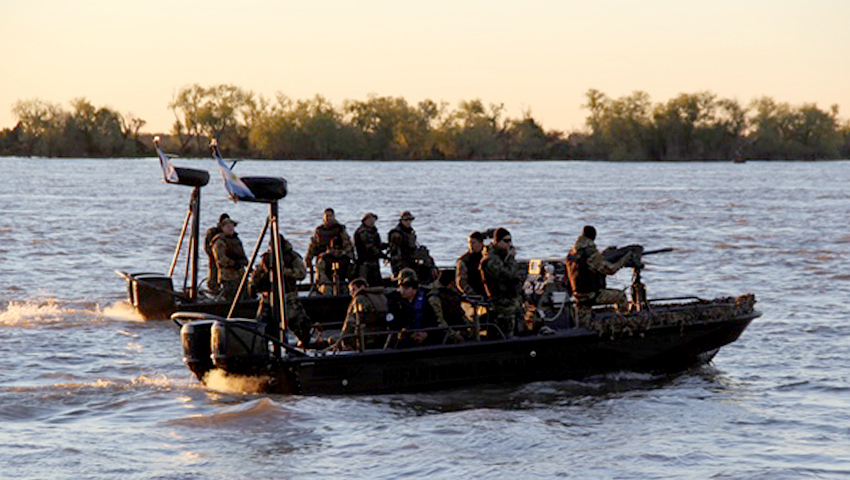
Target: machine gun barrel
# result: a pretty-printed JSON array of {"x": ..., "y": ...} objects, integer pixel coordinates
[{"x": 660, "y": 250}]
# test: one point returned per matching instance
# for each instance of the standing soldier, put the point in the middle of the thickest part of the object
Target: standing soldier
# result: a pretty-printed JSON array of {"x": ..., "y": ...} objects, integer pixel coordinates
[
  {"x": 212, "y": 278},
  {"x": 229, "y": 257},
  {"x": 587, "y": 269},
  {"x": 402, "y": 240},
  {"x": 293, "y": 272},
  {"x": 501, "y": 282},
  {"x": 467, "y": 274},
  {"x": 320, "y": 243},
  {"x": 367, "y": 245}
]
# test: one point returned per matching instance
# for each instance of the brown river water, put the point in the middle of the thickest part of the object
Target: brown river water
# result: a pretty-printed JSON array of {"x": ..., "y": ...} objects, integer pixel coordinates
[{"x": 88, "y": 391}]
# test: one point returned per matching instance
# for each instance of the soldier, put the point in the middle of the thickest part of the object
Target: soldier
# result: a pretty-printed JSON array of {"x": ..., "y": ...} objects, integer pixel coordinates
[
  {"x": 230, "y": 259},
  {"x": 587, "y": 268},
  {"x": 369, "y": 250},
  {"x": 402, "y": 240},
  {"x": 212, "y": 278},
  {"x": 409, "y": 309},
  {"x": 501, "y": 281},
  {"x": 367, "y": 313},
  {"x": 333, "y": 267},
  {"x": 467, "y": 275},
  {"x": 293, "y": 272},
  {"x": 329, "y": 230}
]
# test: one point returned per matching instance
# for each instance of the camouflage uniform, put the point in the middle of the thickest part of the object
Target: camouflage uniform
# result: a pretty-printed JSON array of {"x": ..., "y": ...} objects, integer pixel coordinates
[
  {"x": 367, "y": 244},
  {"x": 293, "y": 272},
  {"x": 587, "y": 269},
  {"x": 368, "y": 310},
  {"x": 231, "y": 261},
  {"x": 402, "y": 241},
  {"x": 321, "y": 240},
  {"x": 320, "y": 247},
  {"x": 501, "y": 281}
]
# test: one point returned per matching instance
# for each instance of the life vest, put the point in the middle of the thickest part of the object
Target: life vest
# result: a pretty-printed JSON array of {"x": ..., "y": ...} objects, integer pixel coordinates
[
  {"x": 583, "y": 280},
  {"x": 420, "y": 302}
]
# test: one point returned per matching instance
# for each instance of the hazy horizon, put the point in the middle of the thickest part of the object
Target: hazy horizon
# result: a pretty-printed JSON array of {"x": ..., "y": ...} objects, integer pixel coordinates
[{"x": 538, "y": 56}]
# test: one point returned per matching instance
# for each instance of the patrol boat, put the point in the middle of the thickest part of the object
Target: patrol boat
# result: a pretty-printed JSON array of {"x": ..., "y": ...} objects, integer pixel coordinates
[{"x": 656, "y": 335}]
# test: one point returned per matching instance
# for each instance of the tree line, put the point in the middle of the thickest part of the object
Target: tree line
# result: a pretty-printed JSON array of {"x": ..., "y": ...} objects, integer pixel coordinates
[{"x": 696, "y": 126}]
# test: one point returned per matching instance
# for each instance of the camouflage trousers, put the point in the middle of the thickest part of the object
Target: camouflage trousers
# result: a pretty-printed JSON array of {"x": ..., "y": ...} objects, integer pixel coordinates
[
  {"x": 297, "y": 320},
  {"x": 505, "y": 313},
  {"x": 606, "y": 296}
]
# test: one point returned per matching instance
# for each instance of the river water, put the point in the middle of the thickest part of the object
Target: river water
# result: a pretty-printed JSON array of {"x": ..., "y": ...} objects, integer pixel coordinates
[{"x": 87, "y": 391}]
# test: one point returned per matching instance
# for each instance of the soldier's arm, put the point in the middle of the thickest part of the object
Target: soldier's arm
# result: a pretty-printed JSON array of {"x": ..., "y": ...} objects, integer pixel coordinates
[
  {"x": 462, "y": 278},
  {"x": 598, "y": 263},
  {"x": 394, "y": 240},
  {"x": 297, "y": 270},
  {"x": 311, "y": 249},
  {"x": 347, "y": 248},
  {"x": 437, "y": 306},
  {"x": 501, "y": 270}
]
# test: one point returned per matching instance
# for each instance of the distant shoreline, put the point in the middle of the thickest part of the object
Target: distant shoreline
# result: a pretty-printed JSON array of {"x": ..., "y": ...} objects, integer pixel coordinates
[{"x": 690, "y": 127}]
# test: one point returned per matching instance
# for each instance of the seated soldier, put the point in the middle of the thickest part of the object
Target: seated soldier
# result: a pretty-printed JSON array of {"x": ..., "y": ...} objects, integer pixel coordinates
[
  {"x": 410, "y": 312},
  {"x": 333, "y": 266},
  {"x": 587, "y": 269},
  {"x": 446, "y": 302},
  {"x": 367, "y": 313}
]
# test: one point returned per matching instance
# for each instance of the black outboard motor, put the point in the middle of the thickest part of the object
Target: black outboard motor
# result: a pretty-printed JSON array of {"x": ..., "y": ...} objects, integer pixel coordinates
[
  {"x": 239, "y": 346},
  {"x": 197, "y": 355}
]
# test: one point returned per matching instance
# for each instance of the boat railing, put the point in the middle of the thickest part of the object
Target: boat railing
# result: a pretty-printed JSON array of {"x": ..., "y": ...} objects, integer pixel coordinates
[{"x": 394, "y": 337}]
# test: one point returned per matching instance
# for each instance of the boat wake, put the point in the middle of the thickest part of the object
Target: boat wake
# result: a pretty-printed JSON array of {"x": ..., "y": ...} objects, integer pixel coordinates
[
  {"x": 122, "y": 311},
  {"x": 32, "y": 313},
  {"x": 218, "y": 380}
]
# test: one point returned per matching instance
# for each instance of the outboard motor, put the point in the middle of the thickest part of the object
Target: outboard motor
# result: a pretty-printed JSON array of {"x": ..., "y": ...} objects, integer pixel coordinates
[
  {"x": 152, "y": 294},
  {"x": 238, "y": 346},
  {"x": 195, "y": 336}
]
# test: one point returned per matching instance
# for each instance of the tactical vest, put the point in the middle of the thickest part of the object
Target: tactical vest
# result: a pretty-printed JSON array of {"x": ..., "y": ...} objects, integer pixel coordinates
[
  {"x": 233, "y": 249},
  {"x": 261, "y": 277},
  {"x": 327, "y": 233},
  {"x": 583, "y": 280},
  {"x": 363, "y": 237},
  {"x": 407, "y": 244},
  {"x": 376, "y": 316},
  {"x": 473, "y": 261}
]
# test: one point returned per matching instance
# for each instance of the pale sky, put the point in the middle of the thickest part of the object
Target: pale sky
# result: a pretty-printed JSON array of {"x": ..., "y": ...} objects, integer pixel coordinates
[{"x": 537, "y": 55}]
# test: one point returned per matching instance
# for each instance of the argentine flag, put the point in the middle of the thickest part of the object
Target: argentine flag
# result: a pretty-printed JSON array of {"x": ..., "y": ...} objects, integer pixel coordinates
[
  {"x": 169, "y": 174},
  {"x": 234, "y": 185}
]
